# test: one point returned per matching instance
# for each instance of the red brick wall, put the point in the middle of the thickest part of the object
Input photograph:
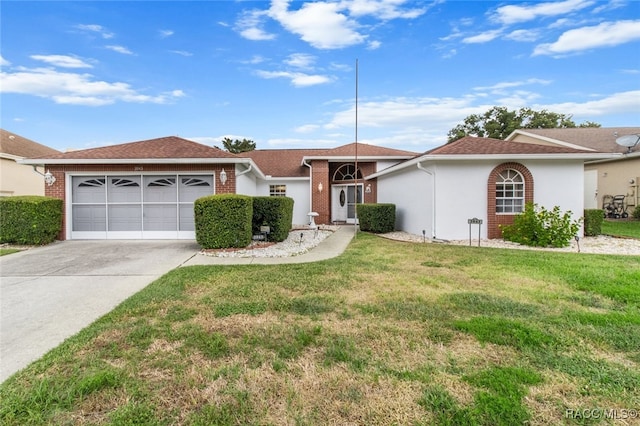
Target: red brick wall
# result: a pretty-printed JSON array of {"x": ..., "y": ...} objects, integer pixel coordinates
[
  {"x": 494, "y": 219},
  {"x": 57, "y": 190},
  {"x": 321, "y": 200}
]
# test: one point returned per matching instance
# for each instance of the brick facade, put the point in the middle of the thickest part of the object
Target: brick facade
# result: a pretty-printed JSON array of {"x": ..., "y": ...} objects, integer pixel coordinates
[{"x": 494, "y": 219}]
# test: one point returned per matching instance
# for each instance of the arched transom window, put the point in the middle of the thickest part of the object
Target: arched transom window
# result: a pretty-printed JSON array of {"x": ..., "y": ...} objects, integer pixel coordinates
[
  {"x": 509, "y": 192},
  {"x": 346, "y": 172}
]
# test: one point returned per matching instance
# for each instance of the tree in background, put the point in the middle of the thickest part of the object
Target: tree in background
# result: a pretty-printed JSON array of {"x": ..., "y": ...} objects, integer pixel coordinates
[
  {"x": 499, "y": 122},
  {"x": 237, "y": 146}
]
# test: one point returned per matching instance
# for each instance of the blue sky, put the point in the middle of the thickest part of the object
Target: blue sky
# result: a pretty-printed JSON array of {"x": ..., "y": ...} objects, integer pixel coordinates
[{"x": 283, "y": 73}]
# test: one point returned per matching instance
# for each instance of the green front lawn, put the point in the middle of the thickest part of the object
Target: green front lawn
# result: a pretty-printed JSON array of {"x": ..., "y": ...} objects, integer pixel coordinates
[
  {"x": 5, "y": 251},
  {"x": 622, "y": 228},
  {"x": 388, "y": 333}
]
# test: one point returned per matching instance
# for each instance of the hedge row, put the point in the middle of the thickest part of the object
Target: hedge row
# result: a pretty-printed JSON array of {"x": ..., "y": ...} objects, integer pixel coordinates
[
  {"x": 593, "y": 219},
  {"x": 30, "y": 220},
  {"x": 230, "y": 220},
  {"x": 377, "y": 218}
]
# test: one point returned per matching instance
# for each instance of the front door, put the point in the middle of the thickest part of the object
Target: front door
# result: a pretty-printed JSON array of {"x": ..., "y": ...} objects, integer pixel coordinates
[{"x": 343, "y": 204}]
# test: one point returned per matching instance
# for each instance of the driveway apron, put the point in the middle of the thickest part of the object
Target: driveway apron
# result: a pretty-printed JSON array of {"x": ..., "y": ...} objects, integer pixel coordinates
[{"x": 50, "y": 293}]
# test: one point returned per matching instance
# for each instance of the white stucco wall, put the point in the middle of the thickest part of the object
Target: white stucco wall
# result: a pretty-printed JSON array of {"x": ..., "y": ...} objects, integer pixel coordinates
[
  {"x": 461, "y": 194},
  {"x": 296, "y": 189},
  {"x": 410, "y": 191}
]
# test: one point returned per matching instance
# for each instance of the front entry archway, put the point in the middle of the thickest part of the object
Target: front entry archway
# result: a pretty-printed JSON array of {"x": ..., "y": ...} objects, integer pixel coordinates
[{"x": 343, "y": 202}]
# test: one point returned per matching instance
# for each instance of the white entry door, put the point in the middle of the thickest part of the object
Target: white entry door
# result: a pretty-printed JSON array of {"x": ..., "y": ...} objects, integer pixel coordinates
[{"x": 343, "y": 202}]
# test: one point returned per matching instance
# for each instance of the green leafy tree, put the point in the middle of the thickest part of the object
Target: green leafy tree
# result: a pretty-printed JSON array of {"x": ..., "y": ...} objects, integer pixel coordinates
[
  {"x": 237, "y": 146},
  {"x": 500, "y": 122}
]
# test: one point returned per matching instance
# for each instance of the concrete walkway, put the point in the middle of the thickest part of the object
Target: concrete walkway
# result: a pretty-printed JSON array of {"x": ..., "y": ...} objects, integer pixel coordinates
[
  {"x": 332, "y": 246},
  {"x": 50, "y": 293}
]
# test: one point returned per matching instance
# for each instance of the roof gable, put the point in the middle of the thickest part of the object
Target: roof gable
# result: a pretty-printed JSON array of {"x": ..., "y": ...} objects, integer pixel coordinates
[
  {"x": 470, "y": 145},
  {"x": 601, "y": 139},
  {"x": 19, "y": 146},
  {"x": 171, "y": 147},
  {"x": 366, "y": 150},
  {"x": 282, "y": 162}
]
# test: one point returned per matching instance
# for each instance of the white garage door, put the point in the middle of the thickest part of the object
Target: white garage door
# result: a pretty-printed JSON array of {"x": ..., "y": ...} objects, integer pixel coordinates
[{"x": 136, "y": 206}]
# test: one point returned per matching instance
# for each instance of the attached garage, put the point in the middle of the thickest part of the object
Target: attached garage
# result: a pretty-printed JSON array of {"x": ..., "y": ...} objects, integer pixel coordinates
[
  {"x": 138, "y": 190},
  {"x": 136, "y": 206}
]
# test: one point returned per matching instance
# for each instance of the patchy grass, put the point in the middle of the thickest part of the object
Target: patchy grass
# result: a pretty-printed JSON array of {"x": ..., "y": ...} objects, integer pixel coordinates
[
  {"x": 622, "y": 228},
  {"x": 388, "y": 333},
  {"x": 6, "y": 251}
]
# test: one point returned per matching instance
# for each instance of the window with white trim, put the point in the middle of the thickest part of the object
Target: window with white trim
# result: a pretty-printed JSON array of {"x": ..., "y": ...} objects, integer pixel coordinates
[
  {"x": 509, "y": 192},
  {"x": 278, "y": 190}
]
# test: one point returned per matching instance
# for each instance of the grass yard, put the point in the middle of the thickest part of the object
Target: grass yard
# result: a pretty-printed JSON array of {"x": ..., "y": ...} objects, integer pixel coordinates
[
  {"x": 6, "y": 251},
  {"x": 622, "y": 228},
  {"x": 388, "y": 333}
]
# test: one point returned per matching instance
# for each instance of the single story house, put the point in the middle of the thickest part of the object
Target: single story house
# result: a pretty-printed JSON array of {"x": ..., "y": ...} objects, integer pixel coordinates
[
  {"x": 146, "y": 189},
  {"x": 20, "y": 179},
  {"x": 602, "y": 177}
]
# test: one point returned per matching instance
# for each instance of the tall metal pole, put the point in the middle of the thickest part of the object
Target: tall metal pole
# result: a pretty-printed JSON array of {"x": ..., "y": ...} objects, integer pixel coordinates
[{"x": 355, "y": 195}]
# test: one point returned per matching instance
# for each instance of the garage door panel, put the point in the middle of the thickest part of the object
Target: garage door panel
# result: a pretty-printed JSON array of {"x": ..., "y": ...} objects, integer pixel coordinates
[
  {"x": 160, "y": 189},
  {"x": 194, "y": 187},
  {"x": 160, "y": 217},
  {"x": 124, "y": 189},
  {"x": 89, "y": 218},
  {"x": 89, "y": 189},
  {"x": 125, "y": 218}
]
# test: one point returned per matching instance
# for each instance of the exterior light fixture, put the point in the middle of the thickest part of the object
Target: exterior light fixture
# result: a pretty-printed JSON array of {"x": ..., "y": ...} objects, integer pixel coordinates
[
  {"x": 320, "y": 187},
  {"x": 49, "y": 179},
  {"x": 223, "y": 177}
]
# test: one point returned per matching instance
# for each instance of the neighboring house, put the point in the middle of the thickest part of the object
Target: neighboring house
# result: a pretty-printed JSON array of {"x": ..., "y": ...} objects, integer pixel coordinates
[
  {"x": 20, "y": 179},
  {"x": 487, "y": 179},
  {"x": 605, "y": 177},
  {"x": 146, "y": 189}
]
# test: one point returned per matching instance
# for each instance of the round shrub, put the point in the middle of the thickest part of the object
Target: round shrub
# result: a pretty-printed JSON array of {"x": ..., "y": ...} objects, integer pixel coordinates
[
  {"x": 223, "y": 221},
  {"x": 377, "y": 218}
]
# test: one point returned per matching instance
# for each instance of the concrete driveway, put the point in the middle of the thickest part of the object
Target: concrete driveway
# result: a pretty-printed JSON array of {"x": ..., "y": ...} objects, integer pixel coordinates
[{"x": 50, "y": 293}]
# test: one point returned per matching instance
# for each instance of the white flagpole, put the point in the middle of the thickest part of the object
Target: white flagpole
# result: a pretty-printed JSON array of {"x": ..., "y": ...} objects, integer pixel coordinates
[{"x": 355, "y": 195}]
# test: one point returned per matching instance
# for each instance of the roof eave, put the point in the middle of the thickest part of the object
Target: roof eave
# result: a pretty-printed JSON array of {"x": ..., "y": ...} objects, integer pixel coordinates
[
  {"x": 52, "y": 161},
  {"x": 502, "y": 157},
  {"x": 337, "y": 158}
]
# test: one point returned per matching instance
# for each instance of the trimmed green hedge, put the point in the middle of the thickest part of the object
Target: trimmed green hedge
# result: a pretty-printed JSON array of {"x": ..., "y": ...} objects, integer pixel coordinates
[
  {"x": 223, "y": 221},
  {"x": 377, "y": 218},
  {"x": 593, "y": 219},
  {"x": 31, "y": 219},
  {"x": 275, "y": 212}
]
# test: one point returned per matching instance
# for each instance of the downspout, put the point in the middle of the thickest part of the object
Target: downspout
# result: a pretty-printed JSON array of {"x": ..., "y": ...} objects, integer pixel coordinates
[
  {"x": 244, "y": 172},
  {"x": 433, "y": 198},
  {"x": 304, "y": 162}
]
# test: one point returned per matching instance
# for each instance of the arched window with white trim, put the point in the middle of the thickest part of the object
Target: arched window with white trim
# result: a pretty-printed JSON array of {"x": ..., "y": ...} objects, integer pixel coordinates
[{"x": 509, "y": 192}]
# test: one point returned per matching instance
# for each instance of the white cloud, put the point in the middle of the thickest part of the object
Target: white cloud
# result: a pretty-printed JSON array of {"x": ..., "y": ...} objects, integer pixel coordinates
[
  {"x": 76, "y": 89},
  {"x": 512, "y": 14},
  {"x": 250, "y": 26},
  {"x": 384, "y": 9},
  {"x": 96, "y": 29},
  {"x": 297, "y": 79},
  {"x": 523, "y": 35},
  {"x": 166, "y": 33},
  {"x": 499, "y": 87},
  {"x": 483, "y": 37},
  {"x": 306, "y": 128},
  {"x": 182, "y": 53},
  {"x": 300, "y": 60},
  {"x": 320, "y": 24},
  {"x": 120, "y": 49},
  {"x": 606, "y": 34},
  {"x": 4, "y": 62},
  {"x": 617, "y": 103},
  {"x": 63, "y": 61},
  {"x": 373, "y": 45}
]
